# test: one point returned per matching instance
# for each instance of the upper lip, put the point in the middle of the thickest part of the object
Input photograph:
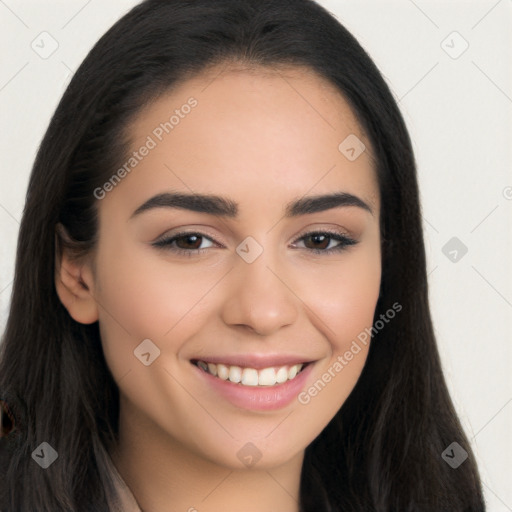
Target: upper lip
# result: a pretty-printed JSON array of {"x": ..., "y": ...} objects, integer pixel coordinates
[{"x": 256, "y": 361}]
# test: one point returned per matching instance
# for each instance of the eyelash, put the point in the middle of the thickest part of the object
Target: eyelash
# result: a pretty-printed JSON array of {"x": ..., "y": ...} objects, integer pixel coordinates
[{"x": 166, "y": 243}]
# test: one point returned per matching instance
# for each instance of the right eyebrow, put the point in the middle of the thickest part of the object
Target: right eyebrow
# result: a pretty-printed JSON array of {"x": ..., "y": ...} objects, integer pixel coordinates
[{"x": 213, "y": 205}]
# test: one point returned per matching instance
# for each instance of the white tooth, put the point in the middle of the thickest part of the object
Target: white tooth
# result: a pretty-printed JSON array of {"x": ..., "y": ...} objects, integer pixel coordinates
[
  {"x": 267, "y": 377},
  {"x": 292, "y": 371},
  {"x": 235, "y": 374},
  {"x": 282, "y": 375},
  {"x": 222, "y": 372},
  {"x": 250, "y": 377}
]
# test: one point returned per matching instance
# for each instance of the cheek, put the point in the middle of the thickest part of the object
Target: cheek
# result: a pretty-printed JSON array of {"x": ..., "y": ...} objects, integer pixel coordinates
[
  {"x": 146, "y": 297},
  {"x": 343, "y": 296},
  {"x": 342, "y": 304}
]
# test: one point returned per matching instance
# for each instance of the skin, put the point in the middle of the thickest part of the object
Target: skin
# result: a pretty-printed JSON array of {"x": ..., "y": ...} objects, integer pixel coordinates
[{"x": 261, "y": 138}]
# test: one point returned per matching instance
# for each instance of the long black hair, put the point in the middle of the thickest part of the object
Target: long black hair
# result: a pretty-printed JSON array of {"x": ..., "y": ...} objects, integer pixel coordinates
[{"x": 382, "y": 450}]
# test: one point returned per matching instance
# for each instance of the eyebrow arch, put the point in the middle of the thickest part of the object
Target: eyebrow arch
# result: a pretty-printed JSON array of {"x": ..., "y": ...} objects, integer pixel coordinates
[{"x": 224, "y": 207}]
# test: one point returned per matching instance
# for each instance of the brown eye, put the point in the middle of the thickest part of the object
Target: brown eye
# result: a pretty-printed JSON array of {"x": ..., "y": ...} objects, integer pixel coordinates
[
  {"x": 185, "y": 243},
  {"x": 322, "y": 242},
  {"x": 191, "y": 241},
  {"x": 318, "y": 241}
]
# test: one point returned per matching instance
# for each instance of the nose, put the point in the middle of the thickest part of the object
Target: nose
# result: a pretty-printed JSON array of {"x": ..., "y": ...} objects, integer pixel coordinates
[{"x": 259, "y": 298}]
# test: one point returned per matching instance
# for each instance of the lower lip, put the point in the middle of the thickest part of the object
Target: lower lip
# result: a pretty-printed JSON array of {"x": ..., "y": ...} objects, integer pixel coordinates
[{"x": 259, "y": 398}]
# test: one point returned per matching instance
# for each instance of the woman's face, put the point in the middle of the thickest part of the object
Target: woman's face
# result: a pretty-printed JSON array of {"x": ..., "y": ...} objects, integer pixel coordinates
[{"x": 254, "y": 283}]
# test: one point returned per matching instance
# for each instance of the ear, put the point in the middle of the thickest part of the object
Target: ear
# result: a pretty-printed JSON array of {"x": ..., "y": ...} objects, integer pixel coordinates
[{"x": 74, "y": 280}]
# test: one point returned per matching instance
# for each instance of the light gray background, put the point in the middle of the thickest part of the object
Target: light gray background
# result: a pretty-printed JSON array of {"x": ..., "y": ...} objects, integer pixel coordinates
[{"x": 458, "y": 109}]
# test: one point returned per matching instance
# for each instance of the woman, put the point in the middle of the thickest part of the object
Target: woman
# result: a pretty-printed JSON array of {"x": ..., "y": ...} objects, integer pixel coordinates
[{"x": 220, "y": 298}]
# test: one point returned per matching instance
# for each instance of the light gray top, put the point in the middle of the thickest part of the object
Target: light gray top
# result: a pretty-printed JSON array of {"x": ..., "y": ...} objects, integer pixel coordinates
[{"x": 126, "y": 502}]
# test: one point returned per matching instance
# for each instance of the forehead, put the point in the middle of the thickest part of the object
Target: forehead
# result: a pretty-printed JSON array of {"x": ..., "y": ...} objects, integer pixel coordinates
[{"x": 273, "y": 131}]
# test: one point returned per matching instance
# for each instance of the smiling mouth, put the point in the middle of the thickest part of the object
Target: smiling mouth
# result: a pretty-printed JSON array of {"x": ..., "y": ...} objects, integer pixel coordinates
[{"x": 265, "y": 377}]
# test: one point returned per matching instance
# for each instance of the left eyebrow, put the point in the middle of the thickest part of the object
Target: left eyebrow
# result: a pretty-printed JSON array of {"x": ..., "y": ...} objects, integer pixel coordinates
[
  {"x": 225, "y": 207},
  {"x": 314, "y": 204}
]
